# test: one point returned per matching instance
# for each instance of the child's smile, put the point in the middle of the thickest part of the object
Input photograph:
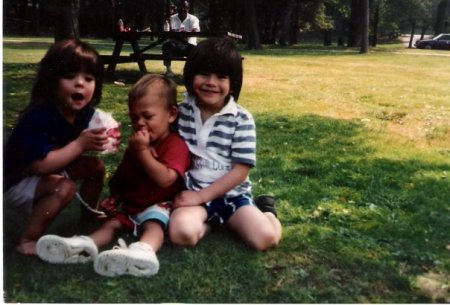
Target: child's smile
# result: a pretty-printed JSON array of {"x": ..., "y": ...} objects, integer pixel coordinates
[{"x": 211, "y": 90}]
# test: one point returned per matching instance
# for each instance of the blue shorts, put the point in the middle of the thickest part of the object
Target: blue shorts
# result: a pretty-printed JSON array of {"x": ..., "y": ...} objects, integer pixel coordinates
[
  {"x": 223, "y": 208},
  {"x": 159, "y": 212}
]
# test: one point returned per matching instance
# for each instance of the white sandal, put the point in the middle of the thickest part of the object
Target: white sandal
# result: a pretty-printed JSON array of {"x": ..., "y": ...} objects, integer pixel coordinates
[
  {"x": 61, "y": 250},
  {"x": 138, "y": 259}
]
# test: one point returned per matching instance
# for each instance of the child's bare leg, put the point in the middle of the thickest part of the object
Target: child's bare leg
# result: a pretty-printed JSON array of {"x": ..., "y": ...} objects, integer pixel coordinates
[
  {"x": 152, "y": 234},
  {"x": 187, "y": 225},
  {"x": 138, "y": 259},
  {"x": 276, "y": 225},
  {"x": 53, "y": 194},
  {"x": 259, "y": 230},
  {"x": 106, "y": 233},
  {"x": 91, "y": 171}
]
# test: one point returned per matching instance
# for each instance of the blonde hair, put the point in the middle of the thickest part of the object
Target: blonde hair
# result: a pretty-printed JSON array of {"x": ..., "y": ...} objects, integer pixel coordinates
[{"x": 169, "y": 92}]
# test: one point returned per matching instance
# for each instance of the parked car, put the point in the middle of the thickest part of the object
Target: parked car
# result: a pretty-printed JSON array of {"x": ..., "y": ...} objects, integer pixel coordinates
[{"x": 441, "y": 41}]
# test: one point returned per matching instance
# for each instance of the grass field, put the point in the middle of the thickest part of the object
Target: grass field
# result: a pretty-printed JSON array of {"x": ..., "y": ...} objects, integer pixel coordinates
[{"x": 356, "y": 149}]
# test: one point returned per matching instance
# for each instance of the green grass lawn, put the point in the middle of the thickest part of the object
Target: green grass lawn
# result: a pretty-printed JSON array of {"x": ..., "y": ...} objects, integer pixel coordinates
[{"x": 356, "y": 149}]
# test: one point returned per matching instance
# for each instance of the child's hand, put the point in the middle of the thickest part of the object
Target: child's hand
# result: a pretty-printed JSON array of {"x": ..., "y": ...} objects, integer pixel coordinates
[
  {"x": 187, "y": 198},
  {"x": 108, "y": 205},
  {"x": 93, "y": 139},
  {"x": 140, "y": 140}
]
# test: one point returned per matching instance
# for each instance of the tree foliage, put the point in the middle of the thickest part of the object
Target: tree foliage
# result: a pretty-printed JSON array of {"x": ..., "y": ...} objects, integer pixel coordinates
[{"x": 283, "y": 22}]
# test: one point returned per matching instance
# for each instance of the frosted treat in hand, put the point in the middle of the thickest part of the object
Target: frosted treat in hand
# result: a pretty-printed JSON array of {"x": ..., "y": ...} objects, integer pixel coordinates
[{"x": 102, "y": 119}]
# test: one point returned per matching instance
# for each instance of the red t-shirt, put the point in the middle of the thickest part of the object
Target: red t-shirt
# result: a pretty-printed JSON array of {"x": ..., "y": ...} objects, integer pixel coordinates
[{"x": 135, "y": 190}]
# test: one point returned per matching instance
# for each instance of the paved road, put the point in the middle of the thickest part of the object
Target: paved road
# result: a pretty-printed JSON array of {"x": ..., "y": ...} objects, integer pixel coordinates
[{"x": 405, "y": 39}]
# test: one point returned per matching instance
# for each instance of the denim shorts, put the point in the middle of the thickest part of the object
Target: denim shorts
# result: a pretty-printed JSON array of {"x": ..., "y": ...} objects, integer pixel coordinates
[{"x": 222, "y": 209}]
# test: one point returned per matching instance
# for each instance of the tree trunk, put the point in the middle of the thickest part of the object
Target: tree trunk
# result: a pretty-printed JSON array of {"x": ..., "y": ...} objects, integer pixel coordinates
[
  {"x": 35, "y": 17},
  {"x": 423, "y": 30},
  {"x": 286, "y": 24},
  {"x": 219, "y": 16},
  {"x": 364, "y": 27},
  {"x": 236, "y": 12},
  {"x": 413, "y": 30},
  {"x": 376, "y": 20},
  {"x": 100, "y": 21},
  {"x": 327, "y": 38},
  {"x": 353, "y": 30},
  {"x": 441, "y": 17},
  {"x": 66, "y": 20},
  {"x": 294, "y": 23},
  {"x": 252, "y": 33}
]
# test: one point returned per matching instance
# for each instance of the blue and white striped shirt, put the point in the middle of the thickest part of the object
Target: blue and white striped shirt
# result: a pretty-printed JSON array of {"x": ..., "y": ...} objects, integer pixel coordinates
[{"x": 226, "y": 138}]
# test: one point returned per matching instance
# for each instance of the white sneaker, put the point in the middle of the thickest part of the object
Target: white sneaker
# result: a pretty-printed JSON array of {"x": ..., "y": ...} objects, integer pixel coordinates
[
  {"x": 138, "y": 259},
  {"x": 61, "y": 250}
]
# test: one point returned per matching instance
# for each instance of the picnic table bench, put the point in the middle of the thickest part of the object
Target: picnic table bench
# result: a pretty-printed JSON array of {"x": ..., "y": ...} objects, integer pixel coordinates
[{"x": 139, "y": 54}]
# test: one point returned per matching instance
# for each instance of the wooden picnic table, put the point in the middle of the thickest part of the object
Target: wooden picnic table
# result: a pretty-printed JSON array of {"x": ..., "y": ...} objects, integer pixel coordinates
[{"x": 140, "y": 54}]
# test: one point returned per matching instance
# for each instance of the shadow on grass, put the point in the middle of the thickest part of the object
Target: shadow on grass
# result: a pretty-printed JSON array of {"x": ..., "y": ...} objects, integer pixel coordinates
[
  {"x": 317, "y": 49},
  {"x": 310, "y": 50},
  {"x": 27, "y": 44},
  {"x": 351, "y": 212},
  {"x": 21, "y": 44},
  {"x": 357, "y": 228}
]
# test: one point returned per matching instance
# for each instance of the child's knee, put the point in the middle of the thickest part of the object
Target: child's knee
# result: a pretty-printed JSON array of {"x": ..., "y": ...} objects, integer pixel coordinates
[
  {"x": 65, "y": 190},
  {"x": 270, "y": 241},
  {"x": 265, "y": 240},
  {"x": 182, "y": 233}
]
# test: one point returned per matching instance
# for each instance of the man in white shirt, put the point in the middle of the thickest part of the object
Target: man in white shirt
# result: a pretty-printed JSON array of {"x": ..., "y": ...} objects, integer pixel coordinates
[{"x": 180, "y": 22}]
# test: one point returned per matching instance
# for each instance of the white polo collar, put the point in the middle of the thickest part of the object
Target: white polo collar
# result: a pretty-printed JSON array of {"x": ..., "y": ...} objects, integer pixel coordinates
[{"x": 229, "y": 108}]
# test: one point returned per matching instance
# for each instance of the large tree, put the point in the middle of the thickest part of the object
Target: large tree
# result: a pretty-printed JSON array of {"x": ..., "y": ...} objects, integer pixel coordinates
[
  {"x": 375, "y": 23},
  {"x": 442, "y": 16},
  {"x": 354, "y": 33},
  {"x": 286, "y": 21},
  {"x": 65, "y": 16},
  {"x": 252, "y": 33},
  {"x": 364, "y": 25}
]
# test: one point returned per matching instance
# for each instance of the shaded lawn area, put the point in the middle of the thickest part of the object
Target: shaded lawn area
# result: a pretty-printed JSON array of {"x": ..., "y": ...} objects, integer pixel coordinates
[{"x": 364, "y": 221}]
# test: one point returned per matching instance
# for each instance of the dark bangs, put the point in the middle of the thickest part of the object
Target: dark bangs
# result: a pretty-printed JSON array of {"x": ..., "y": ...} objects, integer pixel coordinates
[
  {"x": 78, "y": 59},
  {"x": 215, "y": 55},
  {"x": 83, "y": 58}
]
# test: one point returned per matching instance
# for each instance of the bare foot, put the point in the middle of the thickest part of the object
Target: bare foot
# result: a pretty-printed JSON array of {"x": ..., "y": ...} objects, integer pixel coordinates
[{"x": 26, "y": 247}]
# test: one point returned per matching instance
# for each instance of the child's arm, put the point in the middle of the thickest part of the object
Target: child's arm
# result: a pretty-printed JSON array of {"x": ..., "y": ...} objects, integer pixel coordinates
[
  {"x": 157, "y": 171},
  {"x": 236, "y": 176},
  {"x": 89, "y": 139}
]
